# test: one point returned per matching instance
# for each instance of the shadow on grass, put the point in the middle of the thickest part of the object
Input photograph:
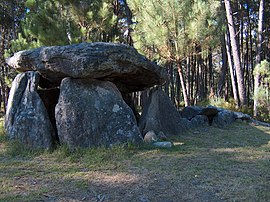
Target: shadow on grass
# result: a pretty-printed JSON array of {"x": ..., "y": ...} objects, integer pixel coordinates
[
  {"x": 206, "y": 164},
  {"x": 233, "y": 136}
]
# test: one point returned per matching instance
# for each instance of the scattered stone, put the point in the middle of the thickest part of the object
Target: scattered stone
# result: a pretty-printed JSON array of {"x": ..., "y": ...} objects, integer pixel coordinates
[
  {"x": 242, "y": 116},
  {"x": 191, "y": 111},
  {"x": 199, "y": 121},
  {"x": 26, "y": 118},
  {"x": 143, "y": 199},
  {"x": 162, "y": 136},
  {"x": 118, "y": 63},
  {"x": 150, "y": 137},
  {"x": 255, "y": 122},
  {"x": 163, "y": 144},
  {"x": 159, "y": 114},
  {"x": 92, "y": 113},
  {"x": 224, "y": 118}
]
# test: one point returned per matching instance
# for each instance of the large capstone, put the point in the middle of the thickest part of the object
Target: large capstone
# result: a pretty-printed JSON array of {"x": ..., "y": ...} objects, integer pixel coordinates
[
  {"x": 26, "y": 118},
  {"x": 118, "y": 63},
  {"x": 160, "y": 115},
  {"x": 92, "y": 113}
]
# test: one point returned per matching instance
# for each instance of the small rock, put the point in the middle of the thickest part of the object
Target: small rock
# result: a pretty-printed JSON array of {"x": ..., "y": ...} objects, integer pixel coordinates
[
  {"x": 191, "y": 111},
  {"x": 242, "y": 116},
  {"x": 199, "y": 121},
  {"x": 143, "y": 199},
  {"x": 162, "y": 136},
  {"x": 223, "y": 118},
  {"x": 150, "y": 137},
  {"x": 163, "y": 144}
]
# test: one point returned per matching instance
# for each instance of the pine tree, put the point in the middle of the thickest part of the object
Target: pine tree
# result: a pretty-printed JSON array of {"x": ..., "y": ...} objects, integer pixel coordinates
[
  {"x": 62, "y": 22},
  {"x": 46, "y": 23},
  {"x": 11, "y": 11},
  {"x": 235, "y": 53},
  {"x": 170, "y": 31},
  {"x": 257, "y": 74},
  {"x": 95, "y": 19}
]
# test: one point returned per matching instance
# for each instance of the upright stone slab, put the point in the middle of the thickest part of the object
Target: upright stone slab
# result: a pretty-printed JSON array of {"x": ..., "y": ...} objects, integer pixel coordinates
[
  {"x": 92, "y": 113},
  {"x": 159, "y": 114},
  {"x": 27, "y": 119}
]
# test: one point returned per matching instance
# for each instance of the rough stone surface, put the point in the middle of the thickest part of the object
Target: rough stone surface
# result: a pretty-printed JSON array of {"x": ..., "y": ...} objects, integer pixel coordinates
[
  {"x": 92, "y": 113},
  {"x": 27, "y": 119},
  {"x": 150, "y": 137},
  {"x": 199, "y": 121},
  {"x": 223, "y": 118},
  {"x": 242, "y": 116},
  {"x": 162, "y": 136},
  {"x": 191, "y": 111},
  {"x": 163, "y": 144},
  {"x": 159, "y": 114},
  {"x": 118, "y": 63}
]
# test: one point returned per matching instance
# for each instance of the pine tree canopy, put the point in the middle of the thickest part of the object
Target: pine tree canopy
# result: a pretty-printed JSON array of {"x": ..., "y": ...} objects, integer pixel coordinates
[
  {"x": 61, "y": 22},
  {"x": 174, "y": 27}
]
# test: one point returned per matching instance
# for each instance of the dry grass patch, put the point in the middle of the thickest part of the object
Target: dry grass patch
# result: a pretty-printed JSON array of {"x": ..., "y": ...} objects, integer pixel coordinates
[{"x": 207, "y": 164}]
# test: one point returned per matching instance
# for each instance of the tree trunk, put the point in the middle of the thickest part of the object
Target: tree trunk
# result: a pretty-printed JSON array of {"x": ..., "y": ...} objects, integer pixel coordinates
[
  {"x": 178, "y": 91},
  {"x": 183, "y": 85},
  {"x": 258, "y": 58},
  {"x": 129, "y": 22},
  {"x": 222, "y": 75},
  {"x": 193, "y": 86},
  {"x": 188, "y": 79},
  {"x": 172, "y": 95},
  {"x": 201, "y": 82},
  {"x": 234, "y": 86},
  {"x": 235, "y": 52}
]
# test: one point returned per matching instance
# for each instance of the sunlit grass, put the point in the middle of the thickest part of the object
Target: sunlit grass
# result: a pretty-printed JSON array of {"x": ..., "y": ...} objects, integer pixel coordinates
[{"x": 231, "y": 164}]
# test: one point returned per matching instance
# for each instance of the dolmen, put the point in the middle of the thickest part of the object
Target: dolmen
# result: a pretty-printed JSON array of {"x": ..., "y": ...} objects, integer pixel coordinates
[
  {"x": 73, "y": 95},
  {"x": 79, "y": 96}
]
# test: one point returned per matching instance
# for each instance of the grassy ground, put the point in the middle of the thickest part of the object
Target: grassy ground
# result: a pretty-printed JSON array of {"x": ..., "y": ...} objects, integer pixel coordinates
[{"x": 207, "y": 164}]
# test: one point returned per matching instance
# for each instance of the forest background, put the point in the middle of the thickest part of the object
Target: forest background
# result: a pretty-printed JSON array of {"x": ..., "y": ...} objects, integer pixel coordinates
[{"x": 215, "y": 52}]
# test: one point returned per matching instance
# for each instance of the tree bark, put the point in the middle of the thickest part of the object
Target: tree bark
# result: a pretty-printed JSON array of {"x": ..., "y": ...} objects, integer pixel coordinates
[
  {"x": 234, "y": 86},
  {"x": 178, "y": 91},
  {"x": 172, "y": 94},
  {"x": 222, "y": 75},
  {"x": 129, "y": 22},
  {"x": 211, "y": 72},
  {"x": 258, "y": 58},
  {"x": 235, "y": 52},
  {"x": 183, "y": 85},
  {"x": 188, "y": 76}
]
